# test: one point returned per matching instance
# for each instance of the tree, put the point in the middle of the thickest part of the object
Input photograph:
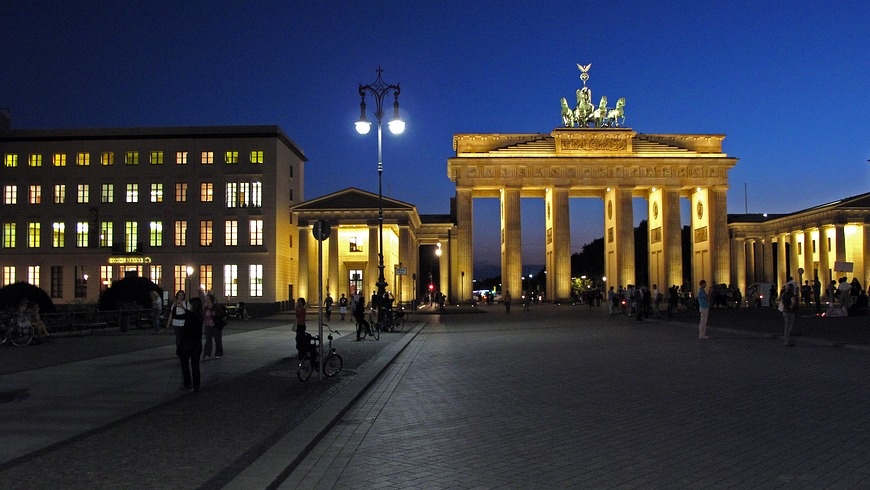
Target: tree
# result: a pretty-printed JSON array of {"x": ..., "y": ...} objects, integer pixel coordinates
[
  {"x": 129, "y": 290},
  {"x": 12, "y": 295}
]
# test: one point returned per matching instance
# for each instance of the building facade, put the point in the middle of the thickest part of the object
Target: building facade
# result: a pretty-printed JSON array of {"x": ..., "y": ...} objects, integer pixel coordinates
[{"x": 188, "y": 208}]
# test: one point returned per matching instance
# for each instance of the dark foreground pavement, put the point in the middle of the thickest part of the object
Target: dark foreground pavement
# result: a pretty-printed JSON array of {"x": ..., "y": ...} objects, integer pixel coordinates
[{"x": 556, "y": 397}]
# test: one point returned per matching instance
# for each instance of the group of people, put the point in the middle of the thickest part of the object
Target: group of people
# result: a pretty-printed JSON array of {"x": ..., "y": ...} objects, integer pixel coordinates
[
  {"x": 28, "y": 315},
  {"x": 188, "y": 320}
]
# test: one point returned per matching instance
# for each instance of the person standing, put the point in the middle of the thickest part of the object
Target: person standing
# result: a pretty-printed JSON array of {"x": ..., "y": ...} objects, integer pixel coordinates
[
  {"x": 789, "y": 305},
  {"x": 156, "y": 310},
  {"x": 817, "y": 294},
  {"x": 177, "y": 315},
  {"x": 190, "y": 345},
  {"x": 704, "y": 307},
  {"x": 328, "y": 304},
  {"x": 342, "y": 306},
  {"x": 359, "y": 314},
  {"x": 507, "y": 302},
  {"x": 301, "y": 339},
  {"x": 214, "y": 320}
]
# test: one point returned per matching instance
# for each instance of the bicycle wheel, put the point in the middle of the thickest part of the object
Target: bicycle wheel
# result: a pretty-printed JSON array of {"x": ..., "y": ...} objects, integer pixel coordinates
[
  {"x": 20, "y": 336},
  {"x": 333, "y": 365},
  {"x": 363, "y": 330},
  {"x": 376, "y": 330},
  {"x": 399, "y": 323},
  {"x": 2, "y": 335},
  {"x": 306, "y": 367}
]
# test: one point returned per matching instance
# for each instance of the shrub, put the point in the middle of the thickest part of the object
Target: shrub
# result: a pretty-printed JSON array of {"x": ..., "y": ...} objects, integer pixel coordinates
[
  {"x": 129, "y": 292},
  {"x": 12, "y": 295}
]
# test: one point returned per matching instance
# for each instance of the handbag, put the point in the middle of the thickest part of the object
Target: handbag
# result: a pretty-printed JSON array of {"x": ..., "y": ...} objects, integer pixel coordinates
[{"x": 781, "y": 306}]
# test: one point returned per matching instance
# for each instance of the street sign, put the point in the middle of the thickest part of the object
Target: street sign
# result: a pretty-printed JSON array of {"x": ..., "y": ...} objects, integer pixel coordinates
[
  {"x": 321, "y": 230},
  {"x": 401, "y": 271}
]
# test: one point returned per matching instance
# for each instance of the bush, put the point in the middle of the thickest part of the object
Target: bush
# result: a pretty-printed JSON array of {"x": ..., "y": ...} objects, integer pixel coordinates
[
  {"x": 127, "y": 293},
  {"x": 12, "y": 295}
]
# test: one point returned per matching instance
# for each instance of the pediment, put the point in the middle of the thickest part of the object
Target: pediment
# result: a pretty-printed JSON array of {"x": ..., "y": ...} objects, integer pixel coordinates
[{"x": 350, "y": 198}]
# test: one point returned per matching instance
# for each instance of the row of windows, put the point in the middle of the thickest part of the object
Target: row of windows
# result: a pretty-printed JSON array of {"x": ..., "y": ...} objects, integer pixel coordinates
[
  {"x": 107, "y": 158},
  {"x": 180, "y": 275},
  {"x": 105, "y": 237},
  {"x": 238, "y": 194}
]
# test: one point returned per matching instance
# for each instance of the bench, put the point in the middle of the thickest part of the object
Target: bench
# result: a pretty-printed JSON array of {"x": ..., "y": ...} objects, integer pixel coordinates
[{"x": 80, "y": 327}]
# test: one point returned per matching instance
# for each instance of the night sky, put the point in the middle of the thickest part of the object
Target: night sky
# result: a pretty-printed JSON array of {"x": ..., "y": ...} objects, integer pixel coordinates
[{"x": 786, "y": 82}]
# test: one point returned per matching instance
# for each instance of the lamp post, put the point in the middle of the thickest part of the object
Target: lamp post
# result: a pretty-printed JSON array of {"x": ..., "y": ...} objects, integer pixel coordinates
[{"x": 379, "y": 89}]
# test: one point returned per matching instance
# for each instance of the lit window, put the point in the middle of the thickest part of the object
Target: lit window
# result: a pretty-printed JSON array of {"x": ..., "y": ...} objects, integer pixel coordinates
[
  {"x": 205, "y": 232},
  {"x": 207, "y": 157},
  {"x": 107, "y": 158},
  {"x": 206, "y": 192},
  {"x": 181, "y": 192},
  {"x": 256, "y": 232},
  {"x": 181, "y": 158},
  {"x": 8, "y": 235},
  {"x": 59, "y": 193},
  {"x": 35, "y": 194},
  {"x": 131, "y": 158},
  {"x": 83, "y": 193},
  {"x": 83, "y": 159},
  {"x": 231, "y": 232},
  {"x": 156, "y": 192},
  {"x": 11, "y": 160},
  {"x": 58, "y": 160},
  {"x": 33, "y": 274},
  {"x": 256, "y": 156},
  {"x": 231, "y": 157},
  {"x": 155, "y": 231},
  {"x": 180, "y": 272},
  {"x": 105, "y": 276},
  {"x": 10, "y": 194},
  {"x": 131, "y": 236},
  {"x": 354, "y": 246},
  {"x": 34, "y": 160},
  {"x": 132, "y": 193},
  {"x": 232, "y": 194},
  {"x": 82, "y": 234},
  {"x": 244, "y": 194},
  {"x": 156, "y": 158},
  {"x": 257, "y": 195},
  {"x": 33, "y": 232},
  {"x": 205, "y": 277},
  {"x": 231, "y": 280},
  {"x": 256, "y": 278},
  {"x": 107, "y": 193},
  {"x": 57, "y": 234},
  {"x": 107, "y": 234},
  {"x": 8, "y": 274},
  {"x": 180, "y": 233},
  {"x": 156, "y": 274}
]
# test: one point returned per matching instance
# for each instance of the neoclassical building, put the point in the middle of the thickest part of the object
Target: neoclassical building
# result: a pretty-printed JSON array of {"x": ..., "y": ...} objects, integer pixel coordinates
[{"x": 828, "y": 241}]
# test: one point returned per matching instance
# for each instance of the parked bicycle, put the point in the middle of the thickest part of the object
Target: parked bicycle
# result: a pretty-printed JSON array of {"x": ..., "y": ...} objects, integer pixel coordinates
[
  {"x": 16, "y": 333},
  {"x": 369, "y": 327},
  {"x": 309, "y": 362}
]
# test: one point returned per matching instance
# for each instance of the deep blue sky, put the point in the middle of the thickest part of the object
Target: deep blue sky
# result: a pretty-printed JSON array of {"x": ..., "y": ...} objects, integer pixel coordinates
[{"x": 786, "y": 82}]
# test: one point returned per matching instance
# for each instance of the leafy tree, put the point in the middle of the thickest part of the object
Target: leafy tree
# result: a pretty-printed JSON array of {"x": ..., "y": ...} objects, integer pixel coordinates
[
  {"x": 12, "y": 295},
  {"x": 126, "y": 291}
]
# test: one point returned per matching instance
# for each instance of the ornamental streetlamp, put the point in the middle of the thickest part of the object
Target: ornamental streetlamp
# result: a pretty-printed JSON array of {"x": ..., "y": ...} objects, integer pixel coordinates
[{"x": 380, "y": 89}]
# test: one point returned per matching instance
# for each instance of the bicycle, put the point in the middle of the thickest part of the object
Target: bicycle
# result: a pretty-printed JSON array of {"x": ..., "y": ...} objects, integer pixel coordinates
[
  {"x": 309, "y": 362},
  {"x": 17, "y": 334},
  {"x": 397, "y": 320},
  {"x": 369, "y": 327}
]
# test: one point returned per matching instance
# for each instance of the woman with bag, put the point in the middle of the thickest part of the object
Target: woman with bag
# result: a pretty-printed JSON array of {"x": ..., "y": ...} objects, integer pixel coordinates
[
  {"x": 213, "y": 322},
  {"x": 190, "y": 345}
]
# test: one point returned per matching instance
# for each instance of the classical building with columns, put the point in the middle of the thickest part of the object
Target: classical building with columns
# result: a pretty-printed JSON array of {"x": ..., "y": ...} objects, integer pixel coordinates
[
  {"x": 611, "y": 164},
  {"x": 829, "y": 241}
]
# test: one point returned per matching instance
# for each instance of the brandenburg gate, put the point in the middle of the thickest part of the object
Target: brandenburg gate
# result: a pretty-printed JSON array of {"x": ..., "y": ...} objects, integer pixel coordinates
[{"x": 592, "y": 156}]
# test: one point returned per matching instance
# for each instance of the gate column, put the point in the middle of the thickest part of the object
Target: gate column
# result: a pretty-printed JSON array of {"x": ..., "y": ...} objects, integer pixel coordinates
[
  {"x": 558, "y": 244},
  {"x": 462, "y": 258},
  {"x": 619, "y": 237},
  {"x": 511, "y": 241}
]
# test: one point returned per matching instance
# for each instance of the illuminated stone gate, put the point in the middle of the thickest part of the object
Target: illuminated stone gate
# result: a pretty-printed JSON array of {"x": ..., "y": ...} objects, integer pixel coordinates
[{"x": 609, "y": 163}]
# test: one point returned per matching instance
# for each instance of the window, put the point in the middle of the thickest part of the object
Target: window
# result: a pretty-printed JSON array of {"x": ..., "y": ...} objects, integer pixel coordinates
[
  {"x": 156, "y": 158},
  {"x": 107, "y": 234},
  {"x": 206, "y": 192},
  {"x": 107, "y": 158},
  {"x": 256, "y": 278},
  {"x": 34, "y": 160},
  {"x": 56, "y": 281},
  {"x": 10, "y": 160},
  {"x": 231, "y": 233},
  {"x": 8, "y": 235},
  {"x": 58, "y": 160},
  {"x": 244, "y": 194},
  {"x": 8, "y": 274},
  {"x": 205, "y": 232},
  {"x": 231, "y": 157},
  {"x": 105, "y": 276},
  {"x": 256, "y": 232},
  {"x": 33, "y": 275},
  {"x": 156, "y": 274},
  {"x": 205, "y": 277},
  {"x": 57, "y": 234},
  {"x": 10, "y": 194},
  {"x": 107, "y": 193},
  {"x": 156, "y": 192},
  {"x": 35, "y": 194},
  {"x": 256, "y": 156},
  {"x": 83, "y": 193},
  {"x": 231, "y": 280},
  {"x": 132, "y": 192},
  {"x": 83, "y": 159},
  {"x": 81, "y": 284},
  {"x": 257, "y": 195},
  {"x": 131, "y": 236},
  {"x": 33, "y": 230},
  {"x": 180, "y": 158},
  {"x": 180, "y": 273},
  {"x": 354, "y": 246},
  {"x": 131, "y": 158},
  {"x": 207, "y": 157},
  {"x": 291, "y": 171},
  {"x": 180, "y": 233},
  {"x": 232, "y": 194},
  {"x": 155, "y": 234},
  {"x": 59, "y": 193},
  {"x": 82, "y": 234},
  {"x": 181, "y": 192}
]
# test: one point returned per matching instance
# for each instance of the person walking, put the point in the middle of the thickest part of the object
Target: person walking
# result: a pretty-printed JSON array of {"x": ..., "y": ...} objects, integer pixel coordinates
[
  {"x": 704, "y": 307},
  {"x": 190, "y": 345},
  {"x": 214, "y": 320},
  {"x": 507, "y": 302},
  {"x": 342, "y": 306},
  {"x": 156, "y": 310},
  {"x": 177, "y": 316},
  {"x": 359, "y": 314},
  {"x": 301, "y": 339},
  {"x": 789, "y": 305},
  {"x": 328, "y": 304}
]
